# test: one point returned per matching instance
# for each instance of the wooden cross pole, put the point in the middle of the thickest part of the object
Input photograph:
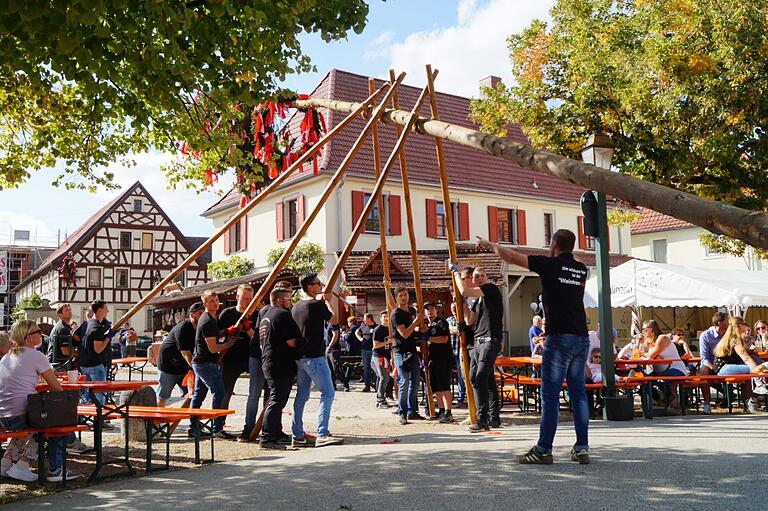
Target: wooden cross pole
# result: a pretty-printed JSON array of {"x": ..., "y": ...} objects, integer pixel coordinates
[
  {"x": 361, "y": 108},
  {"x": 382, "y": 224},
  {"x": 414, "y": 261},
  {"x": 329, "y": 189},
  {"x": 464, "y": 354}
]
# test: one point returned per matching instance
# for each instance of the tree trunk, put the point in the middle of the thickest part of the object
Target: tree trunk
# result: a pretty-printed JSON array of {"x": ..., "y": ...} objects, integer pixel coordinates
[{"x": 749, "y": 226}]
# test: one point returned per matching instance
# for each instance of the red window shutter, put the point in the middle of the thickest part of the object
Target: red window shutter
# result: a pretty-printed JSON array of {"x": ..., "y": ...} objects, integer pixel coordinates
[
  {"x": 279, "y": 221},
  {"x": 243, "y": 233},
  {"x": 227, "y": 249},
  {"x": 431, "y": 218},
  {"x": 493, "y": 229},
  {"x": 300, "y": 211},
  {"x": 582, "y": 237},
  {"x": 522, "y": 233},
  {"x": 395, "y": 227},
  {"x": 358, "y": 204},
  {"x": 463, "y": 210}
]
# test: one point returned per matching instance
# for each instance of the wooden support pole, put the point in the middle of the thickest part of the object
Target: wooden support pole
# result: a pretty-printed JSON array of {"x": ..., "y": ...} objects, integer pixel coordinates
[
  {"x": 361, "y": 108},
  {"x": 414, "y": 260},
  {"x": 329, "y": 189},
  {"x": 452, "y": 253}
]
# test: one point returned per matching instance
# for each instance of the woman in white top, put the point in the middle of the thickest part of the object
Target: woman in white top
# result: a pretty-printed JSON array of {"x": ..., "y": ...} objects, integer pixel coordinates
[
  {"x": 663, "y": 348},
  {"x": 20, "y": 372}
]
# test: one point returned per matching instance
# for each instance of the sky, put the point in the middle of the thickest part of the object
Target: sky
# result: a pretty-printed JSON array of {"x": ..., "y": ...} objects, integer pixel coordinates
[{"x": 464, "y": 39}]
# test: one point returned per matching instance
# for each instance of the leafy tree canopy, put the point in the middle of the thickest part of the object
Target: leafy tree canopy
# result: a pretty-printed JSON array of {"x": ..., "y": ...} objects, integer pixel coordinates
[
  {"x": 229, "y": 268},
  {"x": 32, "y": 301},
  {"x": 307, "y": 258},
  {"x": 679, "y": 85},
  {"x": 86, "y": 82}
]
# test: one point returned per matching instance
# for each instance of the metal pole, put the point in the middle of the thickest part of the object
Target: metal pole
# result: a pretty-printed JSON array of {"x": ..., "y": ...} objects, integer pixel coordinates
[{"x": 604, "y": 298}]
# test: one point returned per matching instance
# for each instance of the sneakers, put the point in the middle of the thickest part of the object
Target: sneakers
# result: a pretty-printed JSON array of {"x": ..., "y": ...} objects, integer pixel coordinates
[
  {"x": 5, "y": 466},
  {"x": 366, "y": 389},
  {"x": 403, "y": 420},
  {"x": 707, "y": 409},
  {"x": 581, "y": 456},
  {"x": 284, "y": 439},
  {"x": 534, "y": 457},
  {"x": 301, "y": 442},
  {"x": 203, "y": 434},
  {"x": 478, "y": 428},
  {"x": 224, "y": 435},
  {"x": 107, "y": 426},
  {"x": 77, "y": 447},
  {"x": 57, "y": 476},
  {"x": 20, "y": 471},
  {"x": 761, "y": 390},
  {"x": 752, "y": 406},
  {"x": 271, "y": 445},
  {"x": 446, "y": 417},
  {"x": 244, "y": 437},
  {"x": 415, "y": 416},
  {"x": 465, "y": 422},
  {"x": 328, "y": 439},
  {"x": 495, "y": 423},
  {"x": 383, "y": 404}
]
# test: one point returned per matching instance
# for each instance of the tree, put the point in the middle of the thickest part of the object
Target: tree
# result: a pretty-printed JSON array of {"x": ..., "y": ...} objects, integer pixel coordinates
[
  {"x": 28, "y": 302},
  {"x": 86, "y": 83},
  {"x": 307, "y": 258},
  {"x": 229, "y": 268},
  {"x": 675, "y": 83}
]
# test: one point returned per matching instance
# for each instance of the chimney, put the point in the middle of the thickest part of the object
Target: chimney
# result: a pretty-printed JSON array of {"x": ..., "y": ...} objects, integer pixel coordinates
[{"x": 489, "y": 81}]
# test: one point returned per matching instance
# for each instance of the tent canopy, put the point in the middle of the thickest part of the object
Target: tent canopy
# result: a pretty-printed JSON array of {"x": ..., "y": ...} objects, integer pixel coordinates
[{"x": 646, "y": 284}]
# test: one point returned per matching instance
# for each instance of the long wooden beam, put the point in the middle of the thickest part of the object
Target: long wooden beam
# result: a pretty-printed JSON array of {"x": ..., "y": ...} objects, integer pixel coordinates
[
  {"x": 329, "y": 189},
  {"x": 718, "y": 217},
  {"x": 452, "y": 253}
]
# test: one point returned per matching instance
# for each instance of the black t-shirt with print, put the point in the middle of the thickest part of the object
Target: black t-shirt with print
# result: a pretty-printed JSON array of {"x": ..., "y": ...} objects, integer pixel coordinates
[
  {"x": 237, "y": 355},
  {"x": 254, "y": 349},
  {"x": 276, "y": 326},
  {"x": 489, "y": 312},
  {"x": 64, "y": 334},
  {"x": 439, "y": 351},
  {"x": 180, "y": 338},
  {"x": 94, "y": 331},
  {"x": 405, "y": 318},
  {"x": 562, "y": 281},
  {"x": 329, "y": 330},
  {"x": 207, "y": 326},
  {"x": 380, "y": 334},
  {"x": 367, "y": 333},
  {"x": 310, "y": 316}
]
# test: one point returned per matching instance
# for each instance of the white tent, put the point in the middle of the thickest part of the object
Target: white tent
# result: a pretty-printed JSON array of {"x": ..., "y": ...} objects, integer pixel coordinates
[{"x": 645, "y": 284}]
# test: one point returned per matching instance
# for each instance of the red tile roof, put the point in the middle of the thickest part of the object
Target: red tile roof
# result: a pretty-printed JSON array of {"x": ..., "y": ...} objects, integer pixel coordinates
[
  {"x": 467, "y": 169},
  {"x": 653, "y": 221}
]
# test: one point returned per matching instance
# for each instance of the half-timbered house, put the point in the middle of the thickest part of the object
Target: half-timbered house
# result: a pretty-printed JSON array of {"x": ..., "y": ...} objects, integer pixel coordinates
[{"x": 120, "y": 253}]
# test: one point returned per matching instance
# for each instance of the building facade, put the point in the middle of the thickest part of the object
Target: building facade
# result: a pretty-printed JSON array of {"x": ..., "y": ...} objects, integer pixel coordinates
[{"x": 16, "y": 263}]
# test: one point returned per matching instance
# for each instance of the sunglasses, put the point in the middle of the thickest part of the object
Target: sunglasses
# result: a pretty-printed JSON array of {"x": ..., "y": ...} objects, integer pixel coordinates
[
  {"x": 597, "y": 357},
  {"x": 762, "y": 328},
  {"x": 35, "y": 332}
]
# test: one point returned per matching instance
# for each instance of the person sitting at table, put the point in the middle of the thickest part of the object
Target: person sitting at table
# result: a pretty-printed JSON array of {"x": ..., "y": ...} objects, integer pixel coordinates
[
  {"x": 20, "y": 372},
  {"x": 5, "y": 343},
  {"x": 760, "y": 341},
  {"x": 683, "y": 350},
  {"x": 664, "y": 349},
  {"x": 732, "y": 357}
]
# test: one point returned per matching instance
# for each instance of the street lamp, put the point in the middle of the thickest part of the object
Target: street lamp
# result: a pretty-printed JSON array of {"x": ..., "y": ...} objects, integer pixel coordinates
[{"x": 598, "y": 151}]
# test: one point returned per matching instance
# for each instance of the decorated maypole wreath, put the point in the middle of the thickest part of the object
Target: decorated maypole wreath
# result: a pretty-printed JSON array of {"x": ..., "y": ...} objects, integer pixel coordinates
[
  {"x": 261, "y": 142},
  {"x": 68, "y": 270}
]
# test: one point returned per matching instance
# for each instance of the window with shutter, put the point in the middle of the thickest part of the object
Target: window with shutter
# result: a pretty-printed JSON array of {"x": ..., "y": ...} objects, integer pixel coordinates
[
  {"x": 463, "y": 214},
  {"x": 522, "y": 233},
  {"x": 506, "y": 226},
  {"x": 279, "y": 221},
  {"x": 374, "y": 219},
  {"x": 431, "y": 206},
  {"x": 395, "y": 222}
]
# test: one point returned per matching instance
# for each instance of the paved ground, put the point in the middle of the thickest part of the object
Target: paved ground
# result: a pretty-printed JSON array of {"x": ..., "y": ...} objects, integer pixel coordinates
[{"x": 692, "y": 462}]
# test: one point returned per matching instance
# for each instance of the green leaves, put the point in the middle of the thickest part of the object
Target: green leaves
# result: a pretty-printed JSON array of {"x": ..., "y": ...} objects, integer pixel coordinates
[
  {"x": 307, "y": 258},
  {"x": 229, "y": 268}
]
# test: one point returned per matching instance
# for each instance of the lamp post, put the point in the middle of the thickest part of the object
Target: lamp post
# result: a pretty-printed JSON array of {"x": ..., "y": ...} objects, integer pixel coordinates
[{"x": 598, "y": 151}]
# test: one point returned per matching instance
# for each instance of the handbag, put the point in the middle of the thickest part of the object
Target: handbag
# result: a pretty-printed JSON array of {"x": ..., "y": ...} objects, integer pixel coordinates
[{"x": 52, "y": 409}]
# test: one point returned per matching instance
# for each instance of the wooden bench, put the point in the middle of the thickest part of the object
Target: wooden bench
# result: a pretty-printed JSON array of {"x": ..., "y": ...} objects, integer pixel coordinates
[{"x": 41, "y": 436}]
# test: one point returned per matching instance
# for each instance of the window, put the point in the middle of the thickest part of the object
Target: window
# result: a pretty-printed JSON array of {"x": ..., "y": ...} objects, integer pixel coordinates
[
  {"x": 373, "y": 220},
  {"x": 291, "y": 217},
  {"x": 659, "y": 251},
  {"x": 549, "y": 228},
  {"x": 235, "y": 237},
  {"x": 121, "y": 277},
  {"x": 119, "y": 313},
  {"x": 148, "y": 323},
  {"x": 442, "y": 220},
  {"x": 137, "y": 205},
  {"x": 590, "y": 243},
  {"x": 94, "y": 277},
  {"x": 506, "y": 225},
  {"x": 125, "y": 240},
  {"x": 708, "y": 252},
  {"x": 84, "y": 314},
  {"x": 146, "y": 241},
  {"x": 181, "y": 278}
]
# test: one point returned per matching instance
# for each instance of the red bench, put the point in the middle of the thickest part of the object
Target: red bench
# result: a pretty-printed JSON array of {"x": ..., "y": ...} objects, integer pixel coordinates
[{"x": 41, "y": 435}]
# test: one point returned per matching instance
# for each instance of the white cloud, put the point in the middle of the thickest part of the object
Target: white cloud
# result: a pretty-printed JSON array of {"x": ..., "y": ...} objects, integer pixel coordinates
[
  {"x": 39, "y": 229},
  {"x": 470, "y": 50},
  {"x": 379, "y": 46}
]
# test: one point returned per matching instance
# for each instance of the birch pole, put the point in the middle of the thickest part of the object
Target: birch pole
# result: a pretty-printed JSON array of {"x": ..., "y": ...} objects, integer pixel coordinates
[
  {"x": 452, "y": 253},
  {"x": 414, "y": 260},
  {"x": 748, "y": 226},
  {"x": 329, "y": 189}
]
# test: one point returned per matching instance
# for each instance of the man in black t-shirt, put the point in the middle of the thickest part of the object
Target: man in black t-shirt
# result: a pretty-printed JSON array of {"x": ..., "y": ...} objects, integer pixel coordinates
[
  {"x": 61, "y": 349},
  {"x": 365, "y": 335},
  {"x": 440, "y": 361},
  {"x": 382, "y": 355},
  {"x": 567, "y": 341},
  {"x": 235, "y": 360},
  {"x": 310, "y": 314},
  {"x": 486, "y": 317},
  {"x": 279, "y": 336},
  {"x": 405, "y": 322},
  {"x": 95, "y": 341},
  {"x": 204, "y": 362},
  {"x": 174, "y": 358}
]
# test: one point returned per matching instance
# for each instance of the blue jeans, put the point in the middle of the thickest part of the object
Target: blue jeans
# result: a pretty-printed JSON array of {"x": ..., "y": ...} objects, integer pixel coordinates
[
  {"x": 55, "y": 444},
  {"x": 459, "y": 379},
  {"x": 95, "y": 373},
  {"x": 208, "y": 376},
  {"x": 563, "y": 357},
  {"x": 732, "y": 369},
  {"x": 367, "y": 357},
  {"x": 166, "y": 383},
  {"x": 255, "y": 388},
  {"x": 312, "y": 370},
  {"x": 408, "y": 382}
]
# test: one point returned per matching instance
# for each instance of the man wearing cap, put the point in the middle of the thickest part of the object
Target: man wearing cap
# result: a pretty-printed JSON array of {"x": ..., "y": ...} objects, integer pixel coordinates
[
  {"x": 440, "y": 361},
  {"x": 174, "y": 358}
]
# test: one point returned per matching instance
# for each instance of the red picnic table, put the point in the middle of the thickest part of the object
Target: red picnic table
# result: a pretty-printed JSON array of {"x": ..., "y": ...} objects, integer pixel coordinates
[{"x": 134, "y": 364}]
